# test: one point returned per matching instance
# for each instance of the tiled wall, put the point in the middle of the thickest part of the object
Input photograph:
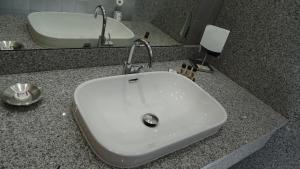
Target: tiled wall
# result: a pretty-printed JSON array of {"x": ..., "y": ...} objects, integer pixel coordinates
[
  {"x": 146, "y": 10},
  {"x": 86, "y": 6}
]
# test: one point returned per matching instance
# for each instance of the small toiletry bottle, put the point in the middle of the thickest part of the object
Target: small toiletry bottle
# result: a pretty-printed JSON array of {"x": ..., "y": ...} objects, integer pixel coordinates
[
  {"x": 188, "y": 71},
  {"x": 147, "y": 34},
  {"x": 193, "y": 73},
  {"x": 146, "y": 37},
  {"x": 183, "y": 69},
  {"x": 117, "y": 13}
]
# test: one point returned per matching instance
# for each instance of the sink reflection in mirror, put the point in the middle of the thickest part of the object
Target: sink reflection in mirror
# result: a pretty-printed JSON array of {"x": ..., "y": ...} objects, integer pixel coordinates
[
  {"x": 65, "y": 24},
  {"x": 75, "y": 30}
]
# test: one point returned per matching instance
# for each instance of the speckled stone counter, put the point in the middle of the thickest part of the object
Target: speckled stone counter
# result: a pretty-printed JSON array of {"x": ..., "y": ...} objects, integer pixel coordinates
[
  {"x": 14, "y": 28},
  {"x": 46, "y": 136},
  {"x": 157, "y": 37}
]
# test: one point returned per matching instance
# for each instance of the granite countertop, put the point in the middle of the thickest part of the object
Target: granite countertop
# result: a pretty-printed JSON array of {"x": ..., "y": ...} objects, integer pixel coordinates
[
  {"x": 157, "y": 37},
  {"x": 46, "y": 136},
  {"x": 14, "y": 28}
]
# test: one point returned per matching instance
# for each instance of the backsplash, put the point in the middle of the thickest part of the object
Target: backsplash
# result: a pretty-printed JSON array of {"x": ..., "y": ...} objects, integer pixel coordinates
[
  {"x": 263, "y": 51},
  {"x": 12, "y": 62}
]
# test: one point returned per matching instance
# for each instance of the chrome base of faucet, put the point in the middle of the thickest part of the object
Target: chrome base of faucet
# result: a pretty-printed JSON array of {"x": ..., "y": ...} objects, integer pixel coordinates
[
  {"x": 104, "y": 41},
  {"x": 131, "y": 69}
]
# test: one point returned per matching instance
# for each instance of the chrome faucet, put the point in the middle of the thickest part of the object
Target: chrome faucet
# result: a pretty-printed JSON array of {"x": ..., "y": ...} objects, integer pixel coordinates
[
  {"x": 129, "y": 68},
  {"x": 102, "y": 41}
]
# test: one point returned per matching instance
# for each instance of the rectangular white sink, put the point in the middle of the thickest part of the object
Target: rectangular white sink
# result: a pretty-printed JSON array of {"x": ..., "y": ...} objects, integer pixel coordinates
[
  {"x": 75, "y": 30},
  {"x": 110, "y": 112}
]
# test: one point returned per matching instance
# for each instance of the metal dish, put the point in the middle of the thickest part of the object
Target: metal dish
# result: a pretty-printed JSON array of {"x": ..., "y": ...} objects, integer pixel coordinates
[
  {"x": 11, "y": 45},
  {"x": 21, "y": 94}
]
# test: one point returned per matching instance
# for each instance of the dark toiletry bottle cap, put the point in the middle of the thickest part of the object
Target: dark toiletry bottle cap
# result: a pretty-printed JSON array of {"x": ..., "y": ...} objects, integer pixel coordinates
[
  {"x": 194, "y": 69},
  {"x": 189, "y": 67},
  {"x": 183, "y": 66},
  {"x": 147, "y": 34}
]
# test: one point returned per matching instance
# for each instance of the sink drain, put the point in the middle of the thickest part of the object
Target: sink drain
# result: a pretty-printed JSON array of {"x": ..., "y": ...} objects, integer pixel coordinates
[{"x": 150, "y": 120}]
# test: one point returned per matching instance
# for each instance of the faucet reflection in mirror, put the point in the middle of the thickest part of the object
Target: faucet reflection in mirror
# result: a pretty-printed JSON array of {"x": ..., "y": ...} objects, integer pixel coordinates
[
  {"x": 129, "y": 68},
  {"x": 102, "y": 41}
]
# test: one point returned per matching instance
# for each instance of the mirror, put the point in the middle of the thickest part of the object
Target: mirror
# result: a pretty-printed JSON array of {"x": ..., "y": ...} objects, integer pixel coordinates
[{"x": 44, "y": 24}]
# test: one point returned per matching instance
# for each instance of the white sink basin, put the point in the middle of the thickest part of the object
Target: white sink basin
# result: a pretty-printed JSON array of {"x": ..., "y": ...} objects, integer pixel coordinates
[
  {"x": 109, "y": 112},
  {"x": 74, "y": 30}
]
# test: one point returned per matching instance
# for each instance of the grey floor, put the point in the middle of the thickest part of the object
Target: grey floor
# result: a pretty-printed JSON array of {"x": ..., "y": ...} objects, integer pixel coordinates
[{"x": 281, "y": 152}]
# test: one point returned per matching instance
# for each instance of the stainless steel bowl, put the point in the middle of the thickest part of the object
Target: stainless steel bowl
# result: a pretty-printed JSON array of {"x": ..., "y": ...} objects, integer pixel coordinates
[
  {"x": 11, "y": 45},
  {"x": 21, "y": 94}
]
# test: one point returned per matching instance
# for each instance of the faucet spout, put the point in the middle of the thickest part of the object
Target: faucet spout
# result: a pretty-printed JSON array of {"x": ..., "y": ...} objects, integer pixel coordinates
[
  {"x": 128, "y": 67},
  {"x": 102, "y": 39},
  {"x": 140, "y": 43}
]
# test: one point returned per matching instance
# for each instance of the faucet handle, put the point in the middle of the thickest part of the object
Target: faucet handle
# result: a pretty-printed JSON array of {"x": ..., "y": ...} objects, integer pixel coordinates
[
  {"x": 109, "y": 37},
  {"x": 109, "y": 42},
  {"x": 130, "y": 69},
  {"x": 136, "y": 68},
  {"x": 139, "y": 68}
]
